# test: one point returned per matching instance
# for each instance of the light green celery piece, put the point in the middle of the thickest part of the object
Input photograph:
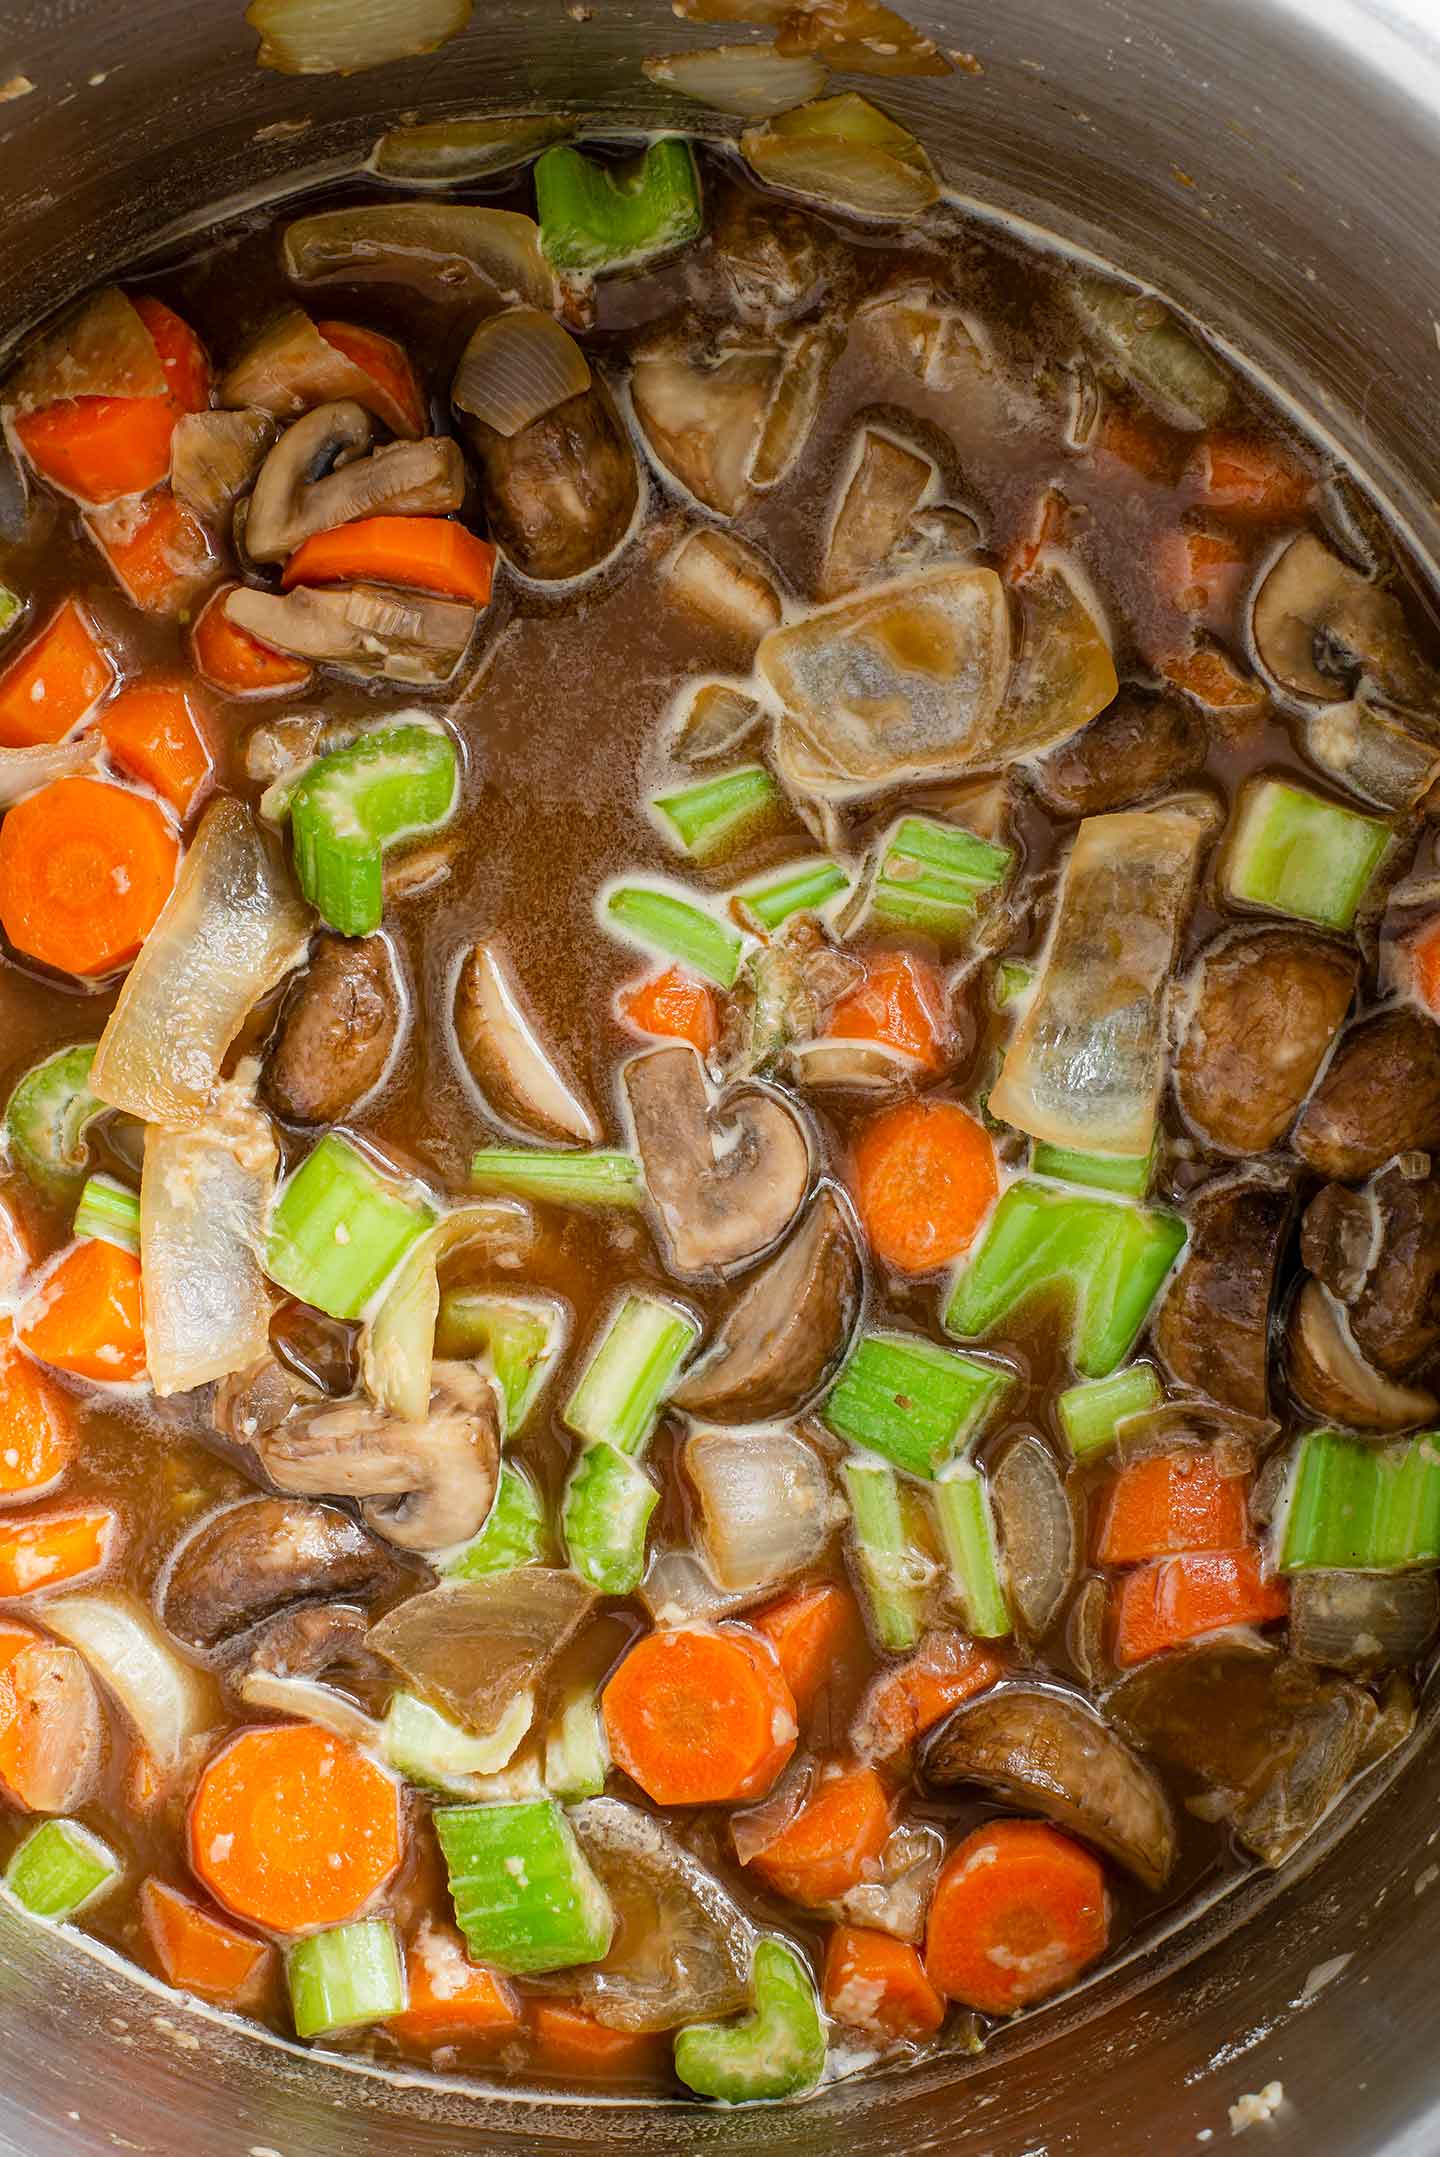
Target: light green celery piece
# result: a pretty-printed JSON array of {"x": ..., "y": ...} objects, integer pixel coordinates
[
  {"x": 47, "y": 1117},
  {"x": 605, "y": 217},
  {"x": 608, "y": 1503},
  {"x": 777, "y": 2050},
  {"x": 603, "y": 1178},
  {"x": 1129, "y": 1174},
  {"x": 110, "y": 1212},
  {"x": 59, "y": 1868},
  {"x": 714, "y": 815},
  {"x": 932, "y": 877},
  {"x": 352, "y": 805},
  {"x": 519, "y": 1337},
  {"x": 515, "y": 1531},
  {"x": 339, "y": 1229},
  {"x": 577, "y": 1759},
  {"x": 630, "y": 1371},
  {"x": 1090, "y": 1413},
  {"x": 800, "y": 887},
  {"x": 525, "y": 1897},
  {"x": 432, "y": 1749},
  {"x": 915, "y": 1403},
  {"x": 345, "y": 1978},
  {"x": 11, "y": 608},
  {"x": 967, "y": 1531},
  {"x": 1293, "y": 852},
  {"x": 677, "y": 928},
  {"x": 1356, "y": 1505},
  {"x": 894, "y": 1576},
  {"x": 1012, "y": 980}
]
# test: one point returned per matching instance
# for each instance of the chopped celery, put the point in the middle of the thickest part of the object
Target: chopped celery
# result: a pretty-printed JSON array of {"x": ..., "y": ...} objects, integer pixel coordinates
[
  {"x": 800, "y": 887},
  {"x": 917, "y": 1404},
  {"x": 1357, "y": 1505},
  {"x": 1106, "y": 1258},
  {"x": 967, "y": 1530},
  {"x": 608, "y": 1503},
  {"x": 59, "y": 1868},
  {"x": 1090, "y": 1412},
  {"x": 431, "y": 1749},
  {"x": 12, "y": 606},
  {"x": 602, "y": 217},
  {"x": 629, "y": 1373},
  {"x": 340, "y": 1228},
  {"x": 345, "y": 1978},
  {"x": 1293, "y": 852},
  {"x": 576, "y": 1758},
  {"x": 893, "y": 1574},
  {"x": 1013, "y": 979},
  {"x": 514, "y": 1532},
  {"x": 933, "y": 876},
  {"x": 109, "y": 1211},
  {"x": 602, "y": 1178},
  {"x": 47, "y": 1117},
  {"x": 660, "y": 921},
  {"x": 714, "y": 815},
  {"x": 777, "y": 2050},
  {"x": 351, "y": 805},
  {"x": 519, "y": 1336},
  {"x": 1127, "y": 1173},
  {"x": 525, "y": 1897}
]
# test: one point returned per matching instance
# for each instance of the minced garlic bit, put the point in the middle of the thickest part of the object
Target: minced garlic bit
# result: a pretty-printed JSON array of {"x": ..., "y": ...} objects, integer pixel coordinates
[{"x": 1256, "y": 2107}]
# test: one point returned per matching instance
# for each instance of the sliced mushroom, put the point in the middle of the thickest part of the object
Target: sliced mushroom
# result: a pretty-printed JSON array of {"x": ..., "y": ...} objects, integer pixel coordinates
[
  {"x": 726, "y": 1182},
  {"x": 727, "y": 584},
  {"x": 1213, "y": 1329},
  {"x": 503, "y": 1054},
  {"x": 1317, "y": 621},
  {"x": 1363, "y": 1621},
  {"x": 308, "y": 1641},
  {"x": 248, "y": 1562},
  {"x": 1379, "y": 754},
  {"x": 701, "y": 407},
  {"x": 1379, "y": 1097},
  {"x": 253, "y": 1401},
  {"x": 887, "y": 484},
  {"x": 560, "y": 494},
  {"x": 1339, "y": 1239},
  {"x": 1052, "y": 1755},
  {"x": 1140, "y": 747},
  {"x": 215, "y": 455},
  {"x": 1329, "y": 1376},
  {"x": 1378, "y": 1252},
  {"x": 1037, "y": 1531},
  {"x": 338, "y": 1030},
  {"x": 1264, "y": 1007},
  {"x": 318, "y": 476},
  {"x": 788, "y": 1329},
  {"x": 363, "y": 629}
]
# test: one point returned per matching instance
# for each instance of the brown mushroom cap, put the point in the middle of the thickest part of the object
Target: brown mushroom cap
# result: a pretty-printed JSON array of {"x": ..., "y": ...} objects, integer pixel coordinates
[
  {"x": 1213, "y": 1329},
  {"x": 1379, "y": 1097},
  {"x": 559, "y": 495},
  {"x": 1378, "y": 1252},
  {"x": 504, "y": 1056},
  {"x": 1264, "y": 1008},
  {"x": 1329, "y": 1376},
  {"x": 338, "y": 1029},
  {"x": 247, "y": 1562},
  {"x": 1140, "y": 747}
]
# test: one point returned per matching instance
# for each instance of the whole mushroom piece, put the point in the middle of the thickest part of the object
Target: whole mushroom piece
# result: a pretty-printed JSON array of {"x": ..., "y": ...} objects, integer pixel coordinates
[
  {"x": 1213, "y": 1329},
  {"x": 1316, "y": 621},
  {"x": 339, "y": 1027},
  {"x": 1264, "y": 1007},
  {"x": 253, "y": 1562},
  {"x": 1378, "y": 1252},
  {"x": 1380, "y": 1096},
  {"x": 1331, "y": 1378},
  {"x": 504, "y": 1055}
]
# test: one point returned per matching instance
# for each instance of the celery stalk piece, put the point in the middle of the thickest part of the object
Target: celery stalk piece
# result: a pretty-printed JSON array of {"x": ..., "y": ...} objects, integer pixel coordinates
[
  {"x": 109, "y": 1211},
  {"x": 933, "y": 877},
  {"x": 519, "y": 1337},
  {"x": 340, "y": 1228},
  {"x": 577, "y": 1759},
  {"x": 604, "y": 217},
  {"x": 608, "y": 1503},
  {"x": 1128, "y": 1174},
  {"x": 515, "y": 1531},
  {"x": 1292, "y": 852},
  {"x": 605, "y": 1177},
  {"x": 12, "y": 606},
  {"x": 800, "y": 887},
  {"x": 1355, "y": 1505},
  {"x": 47, "y": 1117},
  {"x": 352, "y": 805},
  {"x": 1105, "y": 1259},
  {"x": 630, "y": 1371},
  {"x": 777, "y": 2050},
  {"x": 914, "y": 1403},
  {"x": 59, "y": 1868},
  {"x": 893, "y": 1575},
  {"x": 345, "y": 1978},
  {"x": 711, "y": 817},
  {"x": 430, "y": 1748},
  {"x": 525, "y": 1896},
  {"x": 661, "y": 921},
  {"x": 1089, "y": 1413},
  {"x": 967, "y": 1531},
  {"x": 1012, "y": 981}
]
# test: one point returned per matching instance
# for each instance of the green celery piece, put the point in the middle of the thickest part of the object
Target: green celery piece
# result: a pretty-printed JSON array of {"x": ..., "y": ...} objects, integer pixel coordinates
[
  {"x": 932, "y": 877},
  {"x": 110, "y": 1212},
  {"x": 659, "y": 921},
  {"x": 576, "y": 1757},
  {"x": 602, "y": 1178},
  {"x": 345, "y": 1978},
  {"x": 1090, "y": 1412},
  {"x": 59, "y": 1868},
  {"x": 352, "y": 805},
  {"x": 714, "y": 815},
  {"x": 47, "y": 1117},
  {"x": 1295, "y": 853},
  {"x": 608, "y": 1503},
  {"x": 915, "y": 1403},
  {"x": 967, "y": 1531},
  {"x": 1373, "y": 1508},
  {"x": 12, "y": 607},
  {"x": 777, "y": 2050},
  {"x": 1106, "y": 1258},
  {"x": 1013, "y": 980},
  {"x": 629, "y": 1373},
  {"x": 515, "y": 1531},
  {"x": 800, "y": 887},
  {"x": 891, "y": 1575},
  {"x": 599, "y": 217},
  {"x": 430, "y": 1748},
  {"x": 525, "y": 1897},
  {"x": 340, "y": 1228},
  {"x": 1128, "y": 1174},
  {"x": 519, "y": 1337}
]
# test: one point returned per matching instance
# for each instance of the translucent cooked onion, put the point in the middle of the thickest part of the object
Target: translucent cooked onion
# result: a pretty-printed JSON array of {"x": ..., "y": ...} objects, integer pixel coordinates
[
  {"x": 215, "y": 455},
  {"x": 752, "y": 80},
  {"x": 449, "y": 250},
  {"x": 397, "y": 1349},
  {"x": 103, "y": 349},
  {"x": 231, "y": 929},
  {"x": 857, "y": 1066},
  {"x": 755, "y": 1827},
  {"x": 1037, "y": 1530},
  {"x": 310, "y": 1702},
  {"x": 1063, "y": 674},
  {"x": 23, "y": 770},
  {"x": 844, "y": 175},
  {"x": 808, "y": 359},
  {"x": 677, "y": 1590},
  {"x": 862, "y": 38},
  {"x": 343, "y": 37},
  {"x": 442, "y": 152},
  {"x": 167, "y": 1699},
  {"x": 718, "y": 576},
  {"x": 290, "y": 367},
  {"x": 471, "y": 1646},
  {"x": 898, "y": 1900},
  {"x": 517, "y": 367},
  {"x": 766, "y": 1509}
]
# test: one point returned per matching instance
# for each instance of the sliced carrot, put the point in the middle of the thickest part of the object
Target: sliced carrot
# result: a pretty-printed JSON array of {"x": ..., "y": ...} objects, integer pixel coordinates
[
  {"x": 231, "y": 659},
  {"x": 1046, "y": 528},
  {"x": 197, "y": 1950},
  {"x": 700, "y": 1717},
  {"x": 44, "y": 1550},
  {"x": 86, "y": 1315},
  {"x": 570, "y": 2042},
  {"x": 924, "y": 1180},
  {"x": 1213, "y": 679},
  {"x": 1248, "y": 477},
  {"x": 876, "y": 1983},
  {"x": 182, "y": 356},
  {"x": 906, "y": 1701},
  {"x": 14, "y": 1640},
  {"x": 898, "y": 1004},
  {"x": 54, "y": 681},
  {"x": 158, "y": 551},
  {"x": 434, "y": 553},
  {"x": 840, "y": 1829},
  {"x": 292, "y": 1827},
  {"x": 52, "y": 1729},
  {"x": 85, "y": 868},
  {"x": 37, "y": 1431},
  {"x": 1201, "y": 571},
  {"x": 675, "y": 1006},
  {"x": 1153, "y": 451},
  {"x": 450, "y": 1998},
  {"x": 385, "y": 361},
  {"x": 152, "y": 730},
  {"x": 1173, "y": 1600},
  {"x": 101, "y": 448},
  {"x": 1019, "y": 1912},
  {"x": 1425, "y": 965},
  {"x": 814, "y": 1632},
  {"x": 1171, "y": 1502}
]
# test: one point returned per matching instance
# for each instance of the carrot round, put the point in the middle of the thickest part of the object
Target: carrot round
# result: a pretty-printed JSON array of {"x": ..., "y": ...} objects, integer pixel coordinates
[
  {"x": 814, "y": 1632},
  {"x": 85, "y": 868},
  {"x": 449, "y": 1997},
  {"x": 86, "y": 1315},
  {"x": 36, "y": 1427},
  {"x": 876, "y": 1983},
  {"x": 231, "y": 659},
  {"x": 839, "y": 1830},
  {"x": 385, "y": 361},
  {"x": 158, "y": 551},
  {"x": 570, "y": 2042},
  {"x": 700, "y": 1718},
  {"x": 54, "y": 681},
  {"x": 1019, "y": 1911},
  {"x": 293, "y": 1827},
  {"x": 909, "y": 1699},
  {"x": 198, "y": 1952},
  {"x": 675, "y": 1006},
  {"x": 152, "y": 731},
  {"x": 182, "y": 356},
  {"x": 1169, "y": 1503},
  {"x": 46, "y": 1550},
  {"x": 897, "y": 1004},
  {"x": 925, "y": 1179},
  {"x": 1173, "y": 1600},
  {"x": 433, "y": 553}
]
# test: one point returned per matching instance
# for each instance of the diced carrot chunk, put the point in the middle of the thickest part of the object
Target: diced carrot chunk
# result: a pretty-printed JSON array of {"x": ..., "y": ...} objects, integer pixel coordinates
[
  {"x": 231, "y": 659},
  {"x": 45, "y": 1550},
  {"x": 152, "y": 730},
  {"x": 451, "y": 1998},
  {"x": 675, "y": 1006},
  {"x": 1172, "y": 1600},
  {"x": 876, "y": 1983},
  {"x": 158, "y": 551},
  {"x": 1248, "y": 477},
  {"x": 85, "y": 1316},
  {"x": 1169, "y": 1503},
  {"x": 37, "y": 1431},
  {"x": 198, "y": 1950},
  {"x": 813, "y": 1631},
  {"x": 898, "y": 1004},
  {"x": 906, "y": 1701},
  {"x": 570, "y": 2042},
  {"x": 54, "y": 681},
  {"x": 838, "y": 1831}
]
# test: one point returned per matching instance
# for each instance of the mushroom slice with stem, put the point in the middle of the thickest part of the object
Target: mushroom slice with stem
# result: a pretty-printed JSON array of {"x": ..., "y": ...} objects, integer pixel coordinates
[
  {"x": 727, "y": 584},
  {"x": 318, "y": 476},
  {"x": 1263, "y": 1009},
  {"x": 245, "y": 1564},
  {"x": 1316, "y": 621},
  {"x": 362, "y": 629},
  {"x": 727, "y": 1181},
  {"x": 1380, "y": 1096},
  {"x": 702, "y": 408},
  {"x": 215, "y": 455},
  {"x": 886, "y": 486},
  {"x": 1329, "y": 1376},
  {"x": 1213, "y": 1329},
  {"x": 519, "y": 1080},
  {"x": 786, "y": 1332}
]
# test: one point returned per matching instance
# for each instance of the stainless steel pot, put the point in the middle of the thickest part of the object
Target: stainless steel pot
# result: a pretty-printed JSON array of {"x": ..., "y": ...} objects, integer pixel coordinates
[{"x": 1273, "y": 165}]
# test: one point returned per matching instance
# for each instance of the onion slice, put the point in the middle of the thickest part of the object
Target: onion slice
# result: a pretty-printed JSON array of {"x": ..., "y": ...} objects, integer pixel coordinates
[
  {"x": 169, "y": 1702},
  {"x": 343, "y": 37},
  {"x": 23, "y": 770},
  {"x": 397, "y": 1349},
  {"x": 752, "y": 80},
  {"x": 518, "y": 366},
  {"x": 1037, "y": 1529},
  {"x": 103, "y": 349},
  {"x": 843, "y": 175},
  {"x": 311, "y": 1702},
  {"x": 439, "y": 153},
  {"x": 766, "y": 1509},
  {"x": 448, "y": 250}
]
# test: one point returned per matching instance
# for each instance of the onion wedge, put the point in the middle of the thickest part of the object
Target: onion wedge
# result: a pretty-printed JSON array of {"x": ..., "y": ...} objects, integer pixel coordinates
[
  {"x": 343, "y": 37},
  {"x": 169, "y": 1702},
  {"x": 23, "y": 770},
  {"x": 450, "y": 250},
  {"x": 397, "y": 1349}
]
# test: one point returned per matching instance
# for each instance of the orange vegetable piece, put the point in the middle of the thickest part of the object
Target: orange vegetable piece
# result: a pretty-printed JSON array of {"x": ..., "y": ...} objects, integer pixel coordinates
[
  {"x": 906, "y": 1701},
  {"x": 876, "y": 1983},
  {"x": 231, "y": 659},
  {"x": 700, "y": 1718},
  {"x": 674, "y": 1005},
  {"x": 924, "y": 1180},
  {"x": 1168, "y": 1503},
  {"x": 158, "y": 551},
  {"x": 1202, "y": 571},
  {"x": 385, "y": 361},
  {"x": 570, "y": 2042},
  {"x": 1248, "y": 477},
  {"x": 45, "y": 1550},
  {"x": 197, "y": 1950},
  {"x": 182, "y": 356},
  {"x": 1048, "y": 520},
  {"x": 100, "y": 448},
  {"x": 1173, "y": 1600},
  {"x": 898, "y": 1004},
  {"x": 85, "y": 868},
  {"x": 1213, "y": 680},
  {"x": 51, "y": 1728},
  {"x": 86, "y": 1315},
  {"x": 840, "y": 1828},
  {"x": 811, "y": 1631},
  {"x": 1425, "y": 965},
  {"x": 433, "y": 553},
  {"x": 293, "y": 1827},
  {"x": 1149, "y": 449},
  {"x": 1019, "y": 1912},
  {"x": 37, "y": 1431},
  {"x": 54, "y": 681},
  {"x": 152, "y": 731},
  {"x": 451, "y": 1998}
]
